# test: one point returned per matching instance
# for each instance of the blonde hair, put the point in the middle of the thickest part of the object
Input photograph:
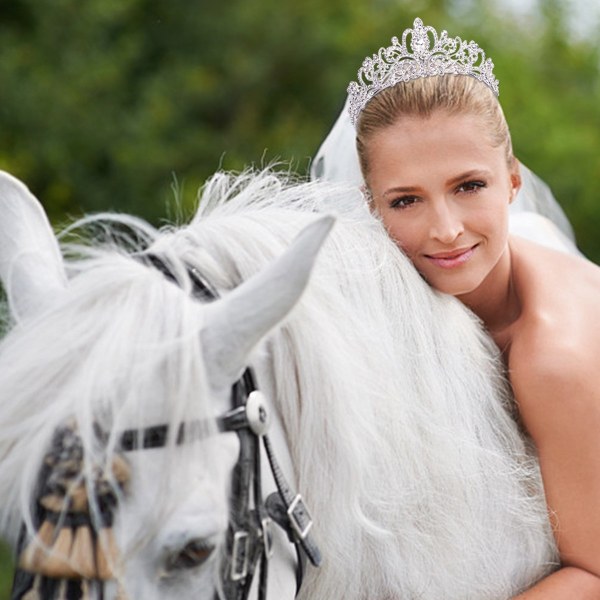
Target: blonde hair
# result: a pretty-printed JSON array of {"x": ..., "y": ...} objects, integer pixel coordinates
[{"x": 453, "y": 94}]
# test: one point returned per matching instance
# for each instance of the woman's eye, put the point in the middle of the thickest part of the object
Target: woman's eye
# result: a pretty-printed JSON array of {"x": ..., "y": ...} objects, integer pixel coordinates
[
  {"x": 471, "y": 186},
  {"x": 403, "y": 202}
]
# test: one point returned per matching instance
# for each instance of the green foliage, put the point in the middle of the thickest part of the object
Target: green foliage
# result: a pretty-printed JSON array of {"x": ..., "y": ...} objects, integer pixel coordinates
[
  {"x": 553, "y": 106},
  {"x": 6, "y": 570},
  {"x": 103, "y": 104}
]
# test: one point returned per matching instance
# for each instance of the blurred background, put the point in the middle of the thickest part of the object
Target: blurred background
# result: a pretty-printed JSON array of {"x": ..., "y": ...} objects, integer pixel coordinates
[
  {"x": 110, "y": 104},
  {"x": 126, "y": 104}
]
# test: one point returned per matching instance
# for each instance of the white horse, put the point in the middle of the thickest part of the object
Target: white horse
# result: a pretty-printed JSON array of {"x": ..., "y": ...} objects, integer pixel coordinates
[{"x": 389, "y": 408}]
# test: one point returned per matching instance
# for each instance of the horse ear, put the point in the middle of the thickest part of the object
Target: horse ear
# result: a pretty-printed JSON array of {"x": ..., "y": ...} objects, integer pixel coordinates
[
  {"x": 237, "y": 323},
  {"x": 31, "y": 266}
]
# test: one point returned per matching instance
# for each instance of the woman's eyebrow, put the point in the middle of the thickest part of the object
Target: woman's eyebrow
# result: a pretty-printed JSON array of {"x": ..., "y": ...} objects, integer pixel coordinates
[
  {"x": 468, "y": 175},
  {"x": 401, "y": 190}
]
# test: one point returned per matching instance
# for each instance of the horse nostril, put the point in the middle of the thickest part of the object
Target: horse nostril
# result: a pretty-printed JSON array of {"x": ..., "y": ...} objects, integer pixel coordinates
[{"x": 193, "y": 555}]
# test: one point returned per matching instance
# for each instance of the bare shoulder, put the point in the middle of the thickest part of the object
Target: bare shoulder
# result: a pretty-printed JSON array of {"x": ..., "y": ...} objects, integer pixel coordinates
[
  {"x": 554, "y": 380},
  {"x": 554, "y": 359}
]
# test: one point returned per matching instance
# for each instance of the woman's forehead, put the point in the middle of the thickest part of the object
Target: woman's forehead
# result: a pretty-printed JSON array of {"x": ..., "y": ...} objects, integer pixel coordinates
[{"x": 426, "y": 147}]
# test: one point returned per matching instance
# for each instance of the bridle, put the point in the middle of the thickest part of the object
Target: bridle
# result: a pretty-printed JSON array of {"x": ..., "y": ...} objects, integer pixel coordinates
[
  {"x": 248, "y": 541},
  {"x": 248, "y": 545}
]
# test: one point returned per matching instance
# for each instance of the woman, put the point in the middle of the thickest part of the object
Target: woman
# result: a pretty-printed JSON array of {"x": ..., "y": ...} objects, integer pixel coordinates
[{"x": 436, "y": 157}]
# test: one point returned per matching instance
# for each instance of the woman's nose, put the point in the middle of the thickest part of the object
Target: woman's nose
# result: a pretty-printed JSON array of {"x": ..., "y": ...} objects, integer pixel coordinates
[{"x": 446, "y": 223}]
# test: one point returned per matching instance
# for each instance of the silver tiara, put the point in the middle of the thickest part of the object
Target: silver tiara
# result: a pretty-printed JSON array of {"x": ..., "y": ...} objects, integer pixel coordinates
[{"x": 397, "y": 63}]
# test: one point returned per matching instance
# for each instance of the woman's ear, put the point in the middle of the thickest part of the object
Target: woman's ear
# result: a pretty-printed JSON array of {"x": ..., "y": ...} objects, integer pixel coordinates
[{"x": 515, "y": 178}]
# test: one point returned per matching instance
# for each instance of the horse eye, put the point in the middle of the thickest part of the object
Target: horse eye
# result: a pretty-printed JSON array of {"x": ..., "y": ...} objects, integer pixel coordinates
[{"x": 193, "y": 555}]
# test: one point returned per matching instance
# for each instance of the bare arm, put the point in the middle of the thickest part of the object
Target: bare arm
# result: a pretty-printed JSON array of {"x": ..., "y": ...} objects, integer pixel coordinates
[
  {"x": 559, "y": 401},
  {"x": 567, "y": 583}
]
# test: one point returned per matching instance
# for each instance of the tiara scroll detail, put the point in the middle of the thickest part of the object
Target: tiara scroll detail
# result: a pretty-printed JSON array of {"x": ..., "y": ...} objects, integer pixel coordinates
[{"x": 428, "y": 55}]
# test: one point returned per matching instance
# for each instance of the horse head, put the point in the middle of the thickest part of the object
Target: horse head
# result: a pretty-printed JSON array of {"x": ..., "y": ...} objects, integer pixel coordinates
[{"x": 113, "y": 377}]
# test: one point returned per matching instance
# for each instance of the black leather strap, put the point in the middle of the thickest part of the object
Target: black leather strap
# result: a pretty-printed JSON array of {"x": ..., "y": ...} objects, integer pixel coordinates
[{"x": 297, "y": 521}]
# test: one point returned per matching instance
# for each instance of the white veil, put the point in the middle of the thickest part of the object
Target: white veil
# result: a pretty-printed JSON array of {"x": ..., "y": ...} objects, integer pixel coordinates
[{"x": 535, "y": 214}]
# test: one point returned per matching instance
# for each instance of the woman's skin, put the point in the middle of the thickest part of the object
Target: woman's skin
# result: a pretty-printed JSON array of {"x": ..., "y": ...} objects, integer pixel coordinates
[{"x": 443, "y": 190}]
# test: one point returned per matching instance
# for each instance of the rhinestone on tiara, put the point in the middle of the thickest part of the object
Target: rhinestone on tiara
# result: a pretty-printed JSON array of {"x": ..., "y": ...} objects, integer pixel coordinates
[{"x": 399, "y": 62}]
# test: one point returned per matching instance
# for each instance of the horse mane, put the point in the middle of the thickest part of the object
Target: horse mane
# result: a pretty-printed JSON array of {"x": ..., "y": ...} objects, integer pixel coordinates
[
  {"x": 120, "y": 335},
  {"x": 394, "y": 401}
]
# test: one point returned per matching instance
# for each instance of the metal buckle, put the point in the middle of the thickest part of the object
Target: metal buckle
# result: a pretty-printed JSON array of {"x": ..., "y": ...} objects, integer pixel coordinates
[
  {"x": 298, "y": 513},
  {"x": 266, "y": 535},
  {"x": 239, "y": 555}
]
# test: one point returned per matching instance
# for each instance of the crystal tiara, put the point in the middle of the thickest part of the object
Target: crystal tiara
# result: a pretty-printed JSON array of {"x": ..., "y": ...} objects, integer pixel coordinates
[{"x": 398, "y": 62}]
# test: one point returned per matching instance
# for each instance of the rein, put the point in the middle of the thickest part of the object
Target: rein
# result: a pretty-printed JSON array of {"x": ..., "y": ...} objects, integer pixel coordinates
[{"x": 62, "y": 517}]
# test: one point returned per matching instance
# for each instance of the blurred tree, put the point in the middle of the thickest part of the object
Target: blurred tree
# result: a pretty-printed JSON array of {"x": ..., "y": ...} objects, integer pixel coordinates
[
  {"x": 106, "y": 104},
  {"x": 553, "y": 106}
]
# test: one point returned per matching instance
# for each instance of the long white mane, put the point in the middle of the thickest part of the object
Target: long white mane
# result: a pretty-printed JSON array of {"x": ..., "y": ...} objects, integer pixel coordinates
[{"x": 394, "y": 402}]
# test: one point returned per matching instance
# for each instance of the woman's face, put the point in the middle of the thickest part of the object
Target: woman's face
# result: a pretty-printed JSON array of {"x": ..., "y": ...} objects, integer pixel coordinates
[{"x": 443, "y": 192}]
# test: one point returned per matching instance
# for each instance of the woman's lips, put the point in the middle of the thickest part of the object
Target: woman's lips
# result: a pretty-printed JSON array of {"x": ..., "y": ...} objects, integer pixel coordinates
[{"x": 453, "y": 258}]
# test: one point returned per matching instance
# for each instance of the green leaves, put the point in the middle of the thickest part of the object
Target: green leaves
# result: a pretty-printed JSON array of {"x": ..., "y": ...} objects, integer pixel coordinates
[{"x": 103, "y": 102}]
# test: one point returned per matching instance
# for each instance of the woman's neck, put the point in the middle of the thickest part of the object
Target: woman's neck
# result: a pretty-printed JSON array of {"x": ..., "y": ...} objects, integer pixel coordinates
[{"x": 496, "y": 301}]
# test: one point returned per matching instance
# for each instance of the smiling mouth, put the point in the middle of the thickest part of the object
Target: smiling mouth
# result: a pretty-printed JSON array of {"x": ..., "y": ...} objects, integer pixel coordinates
[{"x": 452, "y": 259}]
